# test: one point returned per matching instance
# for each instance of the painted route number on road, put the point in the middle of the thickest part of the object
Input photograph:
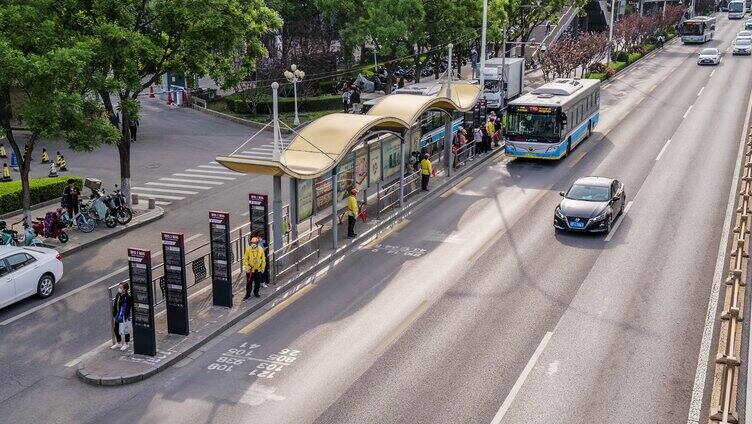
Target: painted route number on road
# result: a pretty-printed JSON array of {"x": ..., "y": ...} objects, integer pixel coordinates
[
  {"x": 246, "y": 353},
  {"x": 398, "y": 250}
]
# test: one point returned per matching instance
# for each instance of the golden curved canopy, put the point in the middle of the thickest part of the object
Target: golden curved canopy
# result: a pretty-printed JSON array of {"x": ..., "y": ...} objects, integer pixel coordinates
[{"x": 325, "y": 142}]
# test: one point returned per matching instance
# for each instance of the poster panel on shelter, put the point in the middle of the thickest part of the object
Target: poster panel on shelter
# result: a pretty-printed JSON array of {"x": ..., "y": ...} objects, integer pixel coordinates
[{"x": 305, "y": 199}]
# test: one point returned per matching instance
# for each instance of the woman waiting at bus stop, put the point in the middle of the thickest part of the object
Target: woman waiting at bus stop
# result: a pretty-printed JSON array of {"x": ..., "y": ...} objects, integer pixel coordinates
[{"x": 121, "y": 315}]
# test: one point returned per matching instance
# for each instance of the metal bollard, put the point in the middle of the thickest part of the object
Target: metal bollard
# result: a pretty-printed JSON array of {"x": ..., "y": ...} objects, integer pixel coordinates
[
  {"x": 152, "y": 205},
  {"x": 134, "y": 199}
]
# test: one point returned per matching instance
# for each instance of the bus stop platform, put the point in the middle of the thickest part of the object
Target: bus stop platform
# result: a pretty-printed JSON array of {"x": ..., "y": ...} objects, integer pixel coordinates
[{"x": 108, "y": 367}]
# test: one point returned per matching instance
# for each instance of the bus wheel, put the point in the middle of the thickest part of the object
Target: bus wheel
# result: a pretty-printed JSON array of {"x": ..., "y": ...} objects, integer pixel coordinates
[{"x": 589, "y": 128}]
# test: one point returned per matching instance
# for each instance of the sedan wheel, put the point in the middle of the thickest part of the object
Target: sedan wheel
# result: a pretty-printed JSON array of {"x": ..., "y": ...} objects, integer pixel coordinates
[{"x": 45, "y": 286}]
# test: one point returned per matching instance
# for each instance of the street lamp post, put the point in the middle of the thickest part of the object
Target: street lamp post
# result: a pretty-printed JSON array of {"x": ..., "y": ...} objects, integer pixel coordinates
[
  {"x": 483, "y": 46},
  {"x": 611, "y": 34},
  {"x": 294, "y": 76}
]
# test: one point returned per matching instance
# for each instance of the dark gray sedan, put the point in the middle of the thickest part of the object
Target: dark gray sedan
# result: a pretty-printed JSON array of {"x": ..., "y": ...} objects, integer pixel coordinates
[{"x": 592, "y": 204}]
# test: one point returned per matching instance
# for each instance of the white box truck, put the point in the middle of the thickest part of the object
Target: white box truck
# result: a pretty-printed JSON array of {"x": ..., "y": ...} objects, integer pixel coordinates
[{"x": 513, "y": 74}]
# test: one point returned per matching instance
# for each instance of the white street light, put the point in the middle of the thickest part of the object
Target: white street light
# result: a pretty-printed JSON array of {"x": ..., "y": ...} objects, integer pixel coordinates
[
  {"x": 295, "y": 76},
  {"x": 483, "y": 47}
]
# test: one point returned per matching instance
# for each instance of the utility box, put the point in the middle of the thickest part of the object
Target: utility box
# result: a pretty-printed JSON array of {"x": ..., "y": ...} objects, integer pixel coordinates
[{"x": 93, "y": 184}]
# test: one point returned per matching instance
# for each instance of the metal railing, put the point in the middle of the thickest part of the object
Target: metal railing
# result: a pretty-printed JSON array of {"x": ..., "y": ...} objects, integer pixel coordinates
[
  {"x": 728, "y": 360},
  {"x": 296, "y": 253}
]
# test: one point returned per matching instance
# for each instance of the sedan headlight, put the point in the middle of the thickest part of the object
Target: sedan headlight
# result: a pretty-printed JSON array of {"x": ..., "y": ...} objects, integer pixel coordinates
[
  {"x": 602, "y": 216},
  {"x": 559, "y": 214}
]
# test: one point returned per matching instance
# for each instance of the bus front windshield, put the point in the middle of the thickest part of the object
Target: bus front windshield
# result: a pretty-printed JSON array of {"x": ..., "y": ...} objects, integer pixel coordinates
[
  {"x": 531, "y": 125},
  {"x": 692, "y": 28},
  {"x": 736, "y": 6}
]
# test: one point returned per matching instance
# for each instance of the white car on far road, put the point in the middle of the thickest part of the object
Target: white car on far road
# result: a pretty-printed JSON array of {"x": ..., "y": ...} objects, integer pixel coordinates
[
  {"x": 710, "y": 56},
  {"x": 744, "y": 34},
  {"x": 742, "y": 46},
  {"x": 28, "y": 271}
]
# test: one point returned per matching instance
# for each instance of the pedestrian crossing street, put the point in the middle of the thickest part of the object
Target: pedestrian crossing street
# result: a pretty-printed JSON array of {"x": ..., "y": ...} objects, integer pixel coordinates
[{"x": 189, "y": 182}]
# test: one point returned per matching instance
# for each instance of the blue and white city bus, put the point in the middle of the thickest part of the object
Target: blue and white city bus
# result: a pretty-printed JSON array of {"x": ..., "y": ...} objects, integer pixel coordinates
[
  {"x": 698, "y": 29},
  {"x": 551, "y": 120}
]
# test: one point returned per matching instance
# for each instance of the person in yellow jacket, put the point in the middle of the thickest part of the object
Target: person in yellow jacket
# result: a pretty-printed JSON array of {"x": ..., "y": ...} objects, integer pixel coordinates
[
  {"x": 353, "y": 210},
  {"x": 426, "y": 168},
  {"x": 254, "y": 264}
]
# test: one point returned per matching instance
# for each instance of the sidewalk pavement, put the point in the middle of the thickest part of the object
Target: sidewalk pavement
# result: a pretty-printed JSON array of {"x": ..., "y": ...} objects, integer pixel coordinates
[
  {"x": 108, "y": 367},
  {"x": 78, "y": 240}
]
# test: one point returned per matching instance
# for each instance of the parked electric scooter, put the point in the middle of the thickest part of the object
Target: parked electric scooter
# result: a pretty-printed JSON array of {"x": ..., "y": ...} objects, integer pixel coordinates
[
  {"x": 97, "y": 210},
  {"x": 51, "y": 226},
  {"x": 123, "y": 213}
]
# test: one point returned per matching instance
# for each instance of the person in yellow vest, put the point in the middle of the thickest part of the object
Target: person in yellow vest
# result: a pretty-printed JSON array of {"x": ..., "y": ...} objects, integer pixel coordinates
[
  {"x": 254, "y": 263},
  {"x": 353, "y": 210},
  {"x": 426, "y": 168}
]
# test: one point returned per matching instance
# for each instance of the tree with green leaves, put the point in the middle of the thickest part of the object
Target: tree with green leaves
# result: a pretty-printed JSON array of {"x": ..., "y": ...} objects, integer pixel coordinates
[
  {"x": 390, "y": 26},
  {"x": 140, "y": 41},
  {"x": 525, "y": 15},
  {"x": 45, "y": 83},
  {"x": 453, "y": 21}
]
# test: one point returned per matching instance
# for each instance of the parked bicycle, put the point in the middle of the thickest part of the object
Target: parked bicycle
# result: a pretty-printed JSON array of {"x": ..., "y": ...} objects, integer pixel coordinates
[{"x": 82, "y": 220}]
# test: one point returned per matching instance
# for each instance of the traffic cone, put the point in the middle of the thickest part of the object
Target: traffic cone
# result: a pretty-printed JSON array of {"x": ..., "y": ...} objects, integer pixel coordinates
[
  {"x": 185, "y": 98},
  {"x": 151, "y": 91},
  {"x": 53, "y": 170},
  {"x": 3, "y": 154},
  {"x": 45, "y": 156},
  {"x": 58, "y": 159},
  {"x": 169, "y": 98},
  {"x": 6, "y": 173},
  {"x": 63, "y": 166}
]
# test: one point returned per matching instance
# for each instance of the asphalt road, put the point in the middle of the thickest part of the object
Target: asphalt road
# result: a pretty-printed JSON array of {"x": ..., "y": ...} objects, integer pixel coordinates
[{"x": 474, "y": 311}]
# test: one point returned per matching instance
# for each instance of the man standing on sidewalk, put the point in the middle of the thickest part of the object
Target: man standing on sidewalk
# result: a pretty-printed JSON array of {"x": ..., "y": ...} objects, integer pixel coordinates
[
  {"x": 254, "y": 263},
  {"x": 426, "y": 167},
  {"x": 353, "y": 210}
]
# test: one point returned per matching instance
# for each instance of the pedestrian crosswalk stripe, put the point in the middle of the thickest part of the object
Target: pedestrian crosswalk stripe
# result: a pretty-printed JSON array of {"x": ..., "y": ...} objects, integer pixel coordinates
[
  {"x": 164, "y": 190},
  {"x": 214, "y": 177},
  {"x": 212, "y": 166},
  {"x": 161, "y": 203},
  {"x": 213, "y": 172},
  {"x": 160, "y": 196},
  {"x": 183, "y": 180},
  {"x": 197, "y": 187}
]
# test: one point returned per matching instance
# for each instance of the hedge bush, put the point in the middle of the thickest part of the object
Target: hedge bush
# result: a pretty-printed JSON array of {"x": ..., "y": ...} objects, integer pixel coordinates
[
  {"x": 41, "y": 190},
  {"x": 618, "y": 66},
  {"x": 622, "y": 56},
  {"x": 634, "y": 57},
  {"x": 286, "y": 104}
]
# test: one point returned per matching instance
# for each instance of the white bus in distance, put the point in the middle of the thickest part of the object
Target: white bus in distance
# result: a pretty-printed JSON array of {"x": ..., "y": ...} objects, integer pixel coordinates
[
  {"x": 737, "y": 9},
  {"x": 698, "y": 29}
]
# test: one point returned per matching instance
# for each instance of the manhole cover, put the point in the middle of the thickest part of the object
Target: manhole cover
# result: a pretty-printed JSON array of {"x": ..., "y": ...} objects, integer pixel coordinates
[{"x": 153, "y": 165}]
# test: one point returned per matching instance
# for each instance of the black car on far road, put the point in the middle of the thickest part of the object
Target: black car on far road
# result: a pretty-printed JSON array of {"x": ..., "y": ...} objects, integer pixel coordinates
[{"x": 592, "y": 205}]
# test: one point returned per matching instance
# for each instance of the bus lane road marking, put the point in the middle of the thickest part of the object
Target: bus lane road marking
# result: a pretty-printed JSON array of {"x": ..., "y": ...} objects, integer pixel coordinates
[
  {"x": 663, "y": 150},
  {"x": 700, "y": 92},
  {"x": 687, "y": 112}
]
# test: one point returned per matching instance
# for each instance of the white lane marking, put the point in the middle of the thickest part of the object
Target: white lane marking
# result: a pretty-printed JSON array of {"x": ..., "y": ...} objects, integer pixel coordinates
[
  {"x": 64, "y": 296},
  {"x": 212, "y": 166},
  {"x": 164, "y": 190},
  {"x": 159, "y": 196},
  {"x": 521, "y": 379},
  {"x": 687, "y": 112},
  {"x": 663, "y": 150},
  {"x": 700, "y": 92},
  {"x": 183, "y": 180},
  {"x": 161, "y": 203},
  {"x": 201, "y": 171},
  {"x": 178, "y": 185},
  {"x": 618, "y": 221},
  {"x": 711, "y": 74},
  {"x": 214, "y": 177},
  {"x": 698, "y": 390},
  {"x": 86, "y": 355},
  {"x": 214, "y": 162},
  {"x": 639, "y": 101}
]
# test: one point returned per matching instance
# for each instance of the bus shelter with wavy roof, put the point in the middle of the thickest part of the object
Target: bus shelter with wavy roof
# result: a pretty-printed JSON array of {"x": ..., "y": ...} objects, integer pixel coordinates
[{"x": 330, "y": 143}]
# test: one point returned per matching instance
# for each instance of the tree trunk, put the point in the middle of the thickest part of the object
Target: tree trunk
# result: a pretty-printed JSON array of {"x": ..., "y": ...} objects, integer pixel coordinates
[
  {"x": 6, "y": 114},
  {"x": 418, "y": 68},
  {"x": 124, "y": 152}
]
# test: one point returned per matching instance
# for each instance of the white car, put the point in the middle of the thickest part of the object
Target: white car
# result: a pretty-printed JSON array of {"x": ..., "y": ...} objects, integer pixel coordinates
[
  {"x": 748, "y": 24},
  {"x": 27, "y": 271},
  {"x": 742, "y": 46},
  {"x": 709, "y": 57},
  {"x": 744, "y": 34}
]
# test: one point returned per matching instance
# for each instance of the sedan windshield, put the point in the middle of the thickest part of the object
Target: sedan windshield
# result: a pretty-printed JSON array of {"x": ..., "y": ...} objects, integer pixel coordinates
[
  {"x": 589, "y": 193},
  {"x": 534, "y": 126},
  {"x": 709, "y": 52}
]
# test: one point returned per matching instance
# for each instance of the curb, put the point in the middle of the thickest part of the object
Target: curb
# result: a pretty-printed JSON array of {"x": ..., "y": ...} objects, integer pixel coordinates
[
  {"x": 119, "y": 230},
  {"x": 295, "y": 283},
  {"x": 241, "y": 121}
]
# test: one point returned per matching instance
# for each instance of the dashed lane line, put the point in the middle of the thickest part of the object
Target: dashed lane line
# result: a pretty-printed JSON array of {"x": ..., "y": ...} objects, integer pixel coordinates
[{"x": 663, "y": 150}]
